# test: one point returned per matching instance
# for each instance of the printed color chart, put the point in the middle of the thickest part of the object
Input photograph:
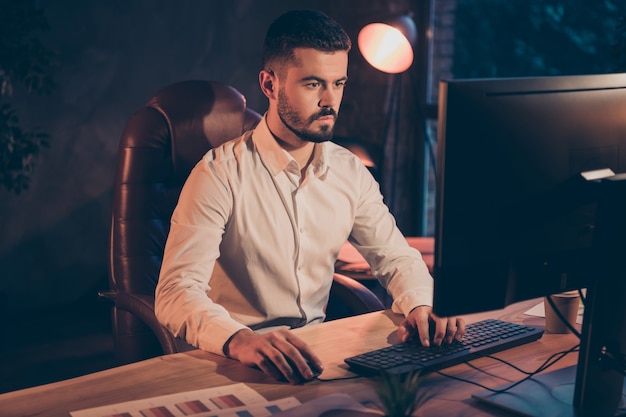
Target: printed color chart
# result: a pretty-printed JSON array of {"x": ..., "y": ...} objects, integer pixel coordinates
[{"x": 237, "y": 400}]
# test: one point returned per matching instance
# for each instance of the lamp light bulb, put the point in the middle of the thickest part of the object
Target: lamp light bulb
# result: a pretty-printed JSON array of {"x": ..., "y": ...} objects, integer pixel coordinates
[{"x": 385, "y": 48}]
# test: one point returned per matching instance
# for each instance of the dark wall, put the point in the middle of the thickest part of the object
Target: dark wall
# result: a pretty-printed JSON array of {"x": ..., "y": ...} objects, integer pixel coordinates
[{"x": 113, "y": 55}]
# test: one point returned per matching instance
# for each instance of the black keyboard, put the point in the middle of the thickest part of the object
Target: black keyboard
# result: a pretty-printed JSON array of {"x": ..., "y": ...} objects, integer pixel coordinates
[{"x": 481, "y": 338}]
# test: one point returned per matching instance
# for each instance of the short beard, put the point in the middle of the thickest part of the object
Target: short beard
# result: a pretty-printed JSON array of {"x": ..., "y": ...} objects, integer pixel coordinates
[{"x": 291, "y": 119}]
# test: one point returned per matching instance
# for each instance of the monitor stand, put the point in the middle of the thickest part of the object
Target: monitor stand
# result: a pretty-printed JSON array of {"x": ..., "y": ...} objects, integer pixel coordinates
[{"x": 549, "y": 394}]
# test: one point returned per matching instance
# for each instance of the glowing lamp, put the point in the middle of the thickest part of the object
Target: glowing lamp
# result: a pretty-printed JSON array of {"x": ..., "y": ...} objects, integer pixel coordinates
[{"x": 388, "y": 46}]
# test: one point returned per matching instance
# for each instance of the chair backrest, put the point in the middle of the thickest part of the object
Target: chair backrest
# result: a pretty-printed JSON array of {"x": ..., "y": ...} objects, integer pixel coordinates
[{"x": 159, "y": 146}]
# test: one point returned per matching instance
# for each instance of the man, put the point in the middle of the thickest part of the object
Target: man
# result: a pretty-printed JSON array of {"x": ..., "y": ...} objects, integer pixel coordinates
[{"x": 261, "y": 219}]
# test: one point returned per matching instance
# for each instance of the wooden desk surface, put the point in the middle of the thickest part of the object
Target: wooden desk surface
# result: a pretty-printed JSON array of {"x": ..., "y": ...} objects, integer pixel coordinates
[{"x": 333, "y": 341}]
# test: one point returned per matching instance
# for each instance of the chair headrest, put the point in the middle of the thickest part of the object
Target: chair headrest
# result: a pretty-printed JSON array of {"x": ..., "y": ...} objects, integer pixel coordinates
[{"x": 201, "y": 115}]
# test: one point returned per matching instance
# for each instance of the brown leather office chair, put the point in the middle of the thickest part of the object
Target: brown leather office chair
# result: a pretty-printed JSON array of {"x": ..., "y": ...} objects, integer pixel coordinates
[{"x": 159, "y": 146}]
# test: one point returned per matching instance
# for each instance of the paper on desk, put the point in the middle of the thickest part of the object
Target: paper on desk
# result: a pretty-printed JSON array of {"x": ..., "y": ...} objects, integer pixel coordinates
[
  {"x": 267, "y": 409},
  {"x": 334, "y": 405},
  {"x": 222, "y": 401}
]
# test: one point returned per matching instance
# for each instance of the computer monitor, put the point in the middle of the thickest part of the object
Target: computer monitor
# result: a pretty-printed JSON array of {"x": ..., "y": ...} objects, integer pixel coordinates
[{"x": 530, "y": 202}]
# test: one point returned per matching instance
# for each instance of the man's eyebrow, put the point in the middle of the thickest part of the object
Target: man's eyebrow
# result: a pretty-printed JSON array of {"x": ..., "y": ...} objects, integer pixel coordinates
[{"x": 321, "y": 80}]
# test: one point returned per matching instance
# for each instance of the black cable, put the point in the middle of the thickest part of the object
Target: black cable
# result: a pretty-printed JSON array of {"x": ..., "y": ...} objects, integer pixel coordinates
[
  {"x": 562, "y": 317},
  {"x": 520, "y": 370},
  {"x": 343, "y": 378},
  {"x": 547, "y": 363},
  {"x": 553, "y": 359},
  {"x": 583, "y": 297}
]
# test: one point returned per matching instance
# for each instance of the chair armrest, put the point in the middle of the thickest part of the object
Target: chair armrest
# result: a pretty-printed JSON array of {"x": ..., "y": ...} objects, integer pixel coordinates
[
  {"x": 142, "y": 307},
  {"x": 348, "y": 297}
]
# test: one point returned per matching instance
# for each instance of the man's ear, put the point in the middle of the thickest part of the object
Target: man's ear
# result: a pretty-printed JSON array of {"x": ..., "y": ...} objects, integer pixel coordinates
[{"x": 267, "y": 81}]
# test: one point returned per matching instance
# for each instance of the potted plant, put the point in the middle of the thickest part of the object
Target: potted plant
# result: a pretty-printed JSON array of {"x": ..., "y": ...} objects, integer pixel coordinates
[
  {"x": 24, "y": 69},
  {"x": 399, "y": 394}
]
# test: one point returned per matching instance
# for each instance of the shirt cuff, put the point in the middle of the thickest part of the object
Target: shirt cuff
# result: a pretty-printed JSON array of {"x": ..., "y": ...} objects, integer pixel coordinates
[
  {"x": 408, "y": 300},
  {"x": 215, "y": 339}
]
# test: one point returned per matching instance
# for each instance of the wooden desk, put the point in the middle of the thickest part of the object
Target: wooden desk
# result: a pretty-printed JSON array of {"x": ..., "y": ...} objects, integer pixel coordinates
[{"x": 333, "y": 341}]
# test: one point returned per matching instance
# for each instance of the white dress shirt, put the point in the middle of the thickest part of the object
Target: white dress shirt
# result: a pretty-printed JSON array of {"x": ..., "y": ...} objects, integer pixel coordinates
[{"x": 252, "y": 244}]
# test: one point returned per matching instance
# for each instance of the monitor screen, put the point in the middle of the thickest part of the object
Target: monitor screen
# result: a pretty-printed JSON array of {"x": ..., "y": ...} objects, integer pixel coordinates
[{"x": 521, "y": 170}]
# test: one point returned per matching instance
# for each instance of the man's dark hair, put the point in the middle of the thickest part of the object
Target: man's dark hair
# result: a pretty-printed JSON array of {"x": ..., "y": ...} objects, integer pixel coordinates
[{"x": 302, "y": 29}]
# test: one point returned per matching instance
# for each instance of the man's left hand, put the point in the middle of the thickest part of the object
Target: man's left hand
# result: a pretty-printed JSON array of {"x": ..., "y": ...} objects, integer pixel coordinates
[{"x": 419, "y": 320}]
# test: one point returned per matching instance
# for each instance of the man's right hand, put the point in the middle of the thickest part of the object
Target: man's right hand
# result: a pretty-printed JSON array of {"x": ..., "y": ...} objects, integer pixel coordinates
[{"x": 273, "y": 353}]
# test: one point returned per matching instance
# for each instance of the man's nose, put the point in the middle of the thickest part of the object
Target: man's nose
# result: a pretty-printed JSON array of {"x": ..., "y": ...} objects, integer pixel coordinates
[{"x": 330, "y": 98}]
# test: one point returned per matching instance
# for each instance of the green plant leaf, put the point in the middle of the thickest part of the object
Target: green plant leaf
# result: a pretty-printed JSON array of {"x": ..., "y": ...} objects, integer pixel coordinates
[{"x": 399, "y": 394}]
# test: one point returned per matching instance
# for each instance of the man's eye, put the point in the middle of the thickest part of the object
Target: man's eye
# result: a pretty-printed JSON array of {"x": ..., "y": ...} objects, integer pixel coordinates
[
  {"x": 313, "y": 84},
  {"x": 340, "y": 84}
]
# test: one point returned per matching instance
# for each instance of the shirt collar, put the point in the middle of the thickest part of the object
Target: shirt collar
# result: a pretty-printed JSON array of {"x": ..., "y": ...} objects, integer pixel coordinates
[{"x": 277, "y": 159}]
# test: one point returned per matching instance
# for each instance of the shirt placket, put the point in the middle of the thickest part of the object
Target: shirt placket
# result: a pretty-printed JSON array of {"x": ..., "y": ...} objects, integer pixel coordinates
[{"x": 292, "y": 197}]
